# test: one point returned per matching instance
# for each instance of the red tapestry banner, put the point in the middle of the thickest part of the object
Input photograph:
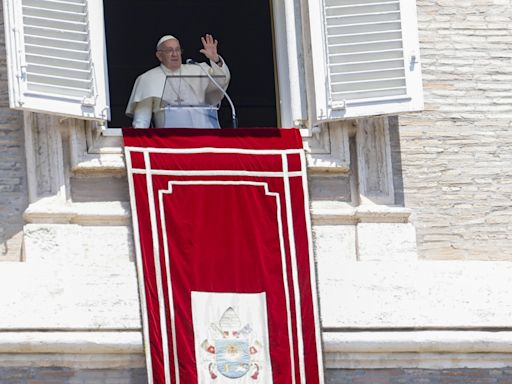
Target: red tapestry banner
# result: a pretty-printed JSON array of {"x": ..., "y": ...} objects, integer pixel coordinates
[{"x": 224, "y": 256}]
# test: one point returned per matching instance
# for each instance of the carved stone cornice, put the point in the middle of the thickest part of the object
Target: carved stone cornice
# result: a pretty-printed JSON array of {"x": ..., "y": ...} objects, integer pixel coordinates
[
  {"x": 51, "y": 210},
  {"x": 345, "y": 214},
  {"x": 94, "y": 151},
  {"x": 327, "y": 149}
]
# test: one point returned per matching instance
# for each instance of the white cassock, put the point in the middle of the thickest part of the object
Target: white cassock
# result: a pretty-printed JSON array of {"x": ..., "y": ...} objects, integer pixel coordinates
[{"x": 188, "y": 85}]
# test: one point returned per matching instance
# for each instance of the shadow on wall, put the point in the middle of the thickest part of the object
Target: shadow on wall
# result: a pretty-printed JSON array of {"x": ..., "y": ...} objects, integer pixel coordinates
[
  {"x": 396, "y": 160},
  {"x": 13, "y": 185},
  {"x": 75, "y": 375},
  {"x": 11, "y": 245}
]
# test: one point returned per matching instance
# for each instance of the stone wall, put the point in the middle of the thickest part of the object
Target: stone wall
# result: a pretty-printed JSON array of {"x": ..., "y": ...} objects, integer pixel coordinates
[
  {"x": 57, "y": 375},
  {"x": 13, "y": 180},
  {"x": 456, "y": 154},
  {"x": 418, "y": 376}
]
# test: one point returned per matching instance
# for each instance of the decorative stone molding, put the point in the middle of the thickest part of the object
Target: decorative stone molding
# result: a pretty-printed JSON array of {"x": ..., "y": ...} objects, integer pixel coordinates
[
  {"x": 345, "y": 214},
  {"x": 418, "y": 349},
  {"x": 327, "y": 150},
  {"x": 374, "y": 161},
  {"x": 355, "y": 234},
  {"x": 77, "y": 361},
  {"x": 419, "y": 341},
  {"x": 94, "y": 151},
  {"x": 51, "y": 210},
  {"x": 119, "y": 342},
  {"x": 404, "y": 360},
  {"x": 45, "y": 157},
  {"x": 342, "y": 350}
]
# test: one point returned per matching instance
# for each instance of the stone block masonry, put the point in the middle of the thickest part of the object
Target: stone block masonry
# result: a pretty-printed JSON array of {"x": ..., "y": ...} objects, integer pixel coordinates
[
  {"x": 56, "y": 375},
  {"x": 13, "y": 179},
  {"x": 456, "y": 154},
  {"x": 419, "y": 376},
  {"x": 53, "y": 375}
]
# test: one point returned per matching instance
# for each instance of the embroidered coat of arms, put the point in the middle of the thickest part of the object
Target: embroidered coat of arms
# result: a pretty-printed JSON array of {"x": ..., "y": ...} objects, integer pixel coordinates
[{"x": 232, "y": 350}]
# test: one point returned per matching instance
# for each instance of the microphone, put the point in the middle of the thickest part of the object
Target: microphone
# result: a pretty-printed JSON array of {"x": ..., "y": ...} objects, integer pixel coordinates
[{"x": 234, "y": 118}]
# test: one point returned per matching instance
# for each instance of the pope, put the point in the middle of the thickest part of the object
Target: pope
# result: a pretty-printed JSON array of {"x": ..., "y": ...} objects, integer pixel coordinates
[{"x": 183, "y": 88}]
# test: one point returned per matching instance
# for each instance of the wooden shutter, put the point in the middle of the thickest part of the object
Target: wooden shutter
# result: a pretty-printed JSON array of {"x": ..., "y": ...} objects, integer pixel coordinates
[
  {"x": 365, "y": 57},
  {"x": 56, "y": 57}
]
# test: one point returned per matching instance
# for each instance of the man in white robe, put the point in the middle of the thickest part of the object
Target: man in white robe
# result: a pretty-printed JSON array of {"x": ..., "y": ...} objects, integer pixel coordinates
[{"x": 188, "y": 85}]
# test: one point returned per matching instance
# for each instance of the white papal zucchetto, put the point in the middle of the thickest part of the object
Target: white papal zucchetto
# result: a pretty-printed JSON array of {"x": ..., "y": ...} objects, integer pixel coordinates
[{"x": 165, "y": 38}]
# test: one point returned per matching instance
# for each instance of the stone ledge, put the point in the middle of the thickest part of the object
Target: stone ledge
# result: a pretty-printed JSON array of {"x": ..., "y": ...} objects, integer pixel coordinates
[
  {"x": 84, "y": 361},
  {"x": 321, "y": 164},
  {"x": 419, "y": 341},
  {"x": 361, "y": 214},
  {"x": 342, "y": 350},
  {"x": 101, "y": 163},
  {"x": 417, "y": 360},
  {"x": 418, "y": 349},
  {"x": 104, "y": 154},
  {"x": 95, "y": 213},
  {"x": 107, "y": 156},
  {"x": 121, "y": 342},
  {"x": 114, "y": 163}
]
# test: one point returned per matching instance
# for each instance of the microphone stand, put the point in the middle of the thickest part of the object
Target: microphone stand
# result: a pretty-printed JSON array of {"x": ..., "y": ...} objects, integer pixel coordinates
[{"x": 234, "y": 118}]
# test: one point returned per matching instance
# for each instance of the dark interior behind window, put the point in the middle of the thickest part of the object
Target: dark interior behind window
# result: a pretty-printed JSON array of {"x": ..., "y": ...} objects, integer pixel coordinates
[{"x": 243, "y": 29}]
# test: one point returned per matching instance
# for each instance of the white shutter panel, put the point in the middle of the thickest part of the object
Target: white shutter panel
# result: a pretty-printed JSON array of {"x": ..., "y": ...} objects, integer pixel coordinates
[
  {"x": 56, "y": 57},
  {"x": 365, "y": 57}
]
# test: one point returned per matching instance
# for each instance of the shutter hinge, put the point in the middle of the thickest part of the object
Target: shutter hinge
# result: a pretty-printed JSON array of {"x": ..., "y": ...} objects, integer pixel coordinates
[
  {"x": 104, "y": 114},
  {"x": 300, "y": 123},
  {"x": 23, "y": 73},
  {"x": 341, "y": 104},
  {"x": 89, "y": 101},
  {"x": 413, "y": 58}
]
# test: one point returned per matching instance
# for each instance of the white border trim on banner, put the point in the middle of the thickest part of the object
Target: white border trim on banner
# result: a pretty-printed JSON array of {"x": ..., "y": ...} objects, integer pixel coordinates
[
  {"x": 295, "y": 274},
  {"x": 241, "y": 151},
  {"x": 275, "y": 195},
  {"x": 312, "y": 271},
  {"x": 169, "y": 287},
  {"x": 158, "y": 269},
  {"x": 163, "y": 172},
  {"x": 139, "y": 268}
]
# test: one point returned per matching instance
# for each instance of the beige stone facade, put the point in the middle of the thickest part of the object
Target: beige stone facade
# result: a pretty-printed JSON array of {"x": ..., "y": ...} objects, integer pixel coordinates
[
  {"x": 400, "y": 204},
  {"x": 456, "y": 154}
]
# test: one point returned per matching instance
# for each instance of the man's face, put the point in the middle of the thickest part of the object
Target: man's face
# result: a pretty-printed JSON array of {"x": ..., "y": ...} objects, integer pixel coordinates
[{"x": 169, "y": 54}]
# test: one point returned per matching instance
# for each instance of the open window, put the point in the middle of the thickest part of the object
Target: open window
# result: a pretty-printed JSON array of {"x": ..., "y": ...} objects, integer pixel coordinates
[
  {"x": 364, "y": 55},
  {"x": 244, "y": 32},
  {"x": 55, "y": 55},
  {"x": 58, "y": 49},
  {"x": 365, "y": 58}
]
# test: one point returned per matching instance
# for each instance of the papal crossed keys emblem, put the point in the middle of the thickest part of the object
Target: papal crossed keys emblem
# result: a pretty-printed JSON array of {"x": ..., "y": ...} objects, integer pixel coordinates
[{"x": 232, "y": 350}]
